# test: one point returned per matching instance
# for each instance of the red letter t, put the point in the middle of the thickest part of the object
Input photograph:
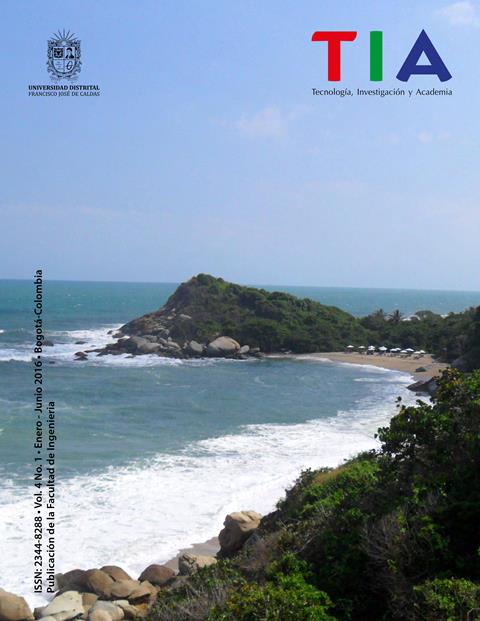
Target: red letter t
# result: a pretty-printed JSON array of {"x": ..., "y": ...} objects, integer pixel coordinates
[{"x": 334, "y": 39}]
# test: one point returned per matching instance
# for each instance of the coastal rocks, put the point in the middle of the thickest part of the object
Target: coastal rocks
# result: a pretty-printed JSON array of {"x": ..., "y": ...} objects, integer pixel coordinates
[
  {"x": 116, "y": 573},
  {"x": 194, "y": 348},
  {"x": 68, "y": 605},
  {"x": 14, "y": 608},
  {"x": 88, "y": 599},
  {"x": 81, "y": 355},
  {"x": 428, "y": 387},
  {"x": 129, "y": 611},
  {"x": 222, "y": 346},
  {"x": 99, "y": 615},
  {"x": 123, "y": 589},
  {"x": 98, "y": 582},
  {"x": 238, "y": 527},
  {"x": 71, "y": 580},
  {"x": 188, "y": 564},
  {"x": 144, "y": 593},
  {"x": 105, "y": 611},
  {"x": 165, "y": 346},
  {"x": 157, "y": 575},
  {"x": 142, "y": 345}
]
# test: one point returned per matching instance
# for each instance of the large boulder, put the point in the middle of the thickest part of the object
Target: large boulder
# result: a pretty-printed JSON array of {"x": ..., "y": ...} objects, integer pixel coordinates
[
  {"x": 141, "y": 345},
  {"x": 14, "y": 608},
  {"x": 116, "y": 573},
  {"x": 195, "y": 348},
  {"x": 157, "y": 575},
  {"x": 123, "y": 588},
  {"x": 98, "y": 609},
  {"x": 68, "y": 605},
  {"x": 188, "y": 564},
  {"x": 428, "y": 387},
  {"x": 138, "y": 345},
  {"x": 98, "y": 582},
  {"x": 129, "y": 610},
  {"x": 99, "y": 615},
  {"x": 71, "y": 580},
  {"x": 223, "y": 346},
  {"x": 88, "y": 599},
  {"x": 144, "y": 593},
  {"x": 238, "y": 527}
]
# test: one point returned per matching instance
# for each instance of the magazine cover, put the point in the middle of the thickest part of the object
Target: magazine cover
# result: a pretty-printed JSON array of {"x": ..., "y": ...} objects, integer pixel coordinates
[{"x": 239, "y": 311}]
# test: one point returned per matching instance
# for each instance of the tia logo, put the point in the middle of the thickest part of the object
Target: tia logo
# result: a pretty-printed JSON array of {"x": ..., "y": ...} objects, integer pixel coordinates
[{"x": 410, "y": 67}]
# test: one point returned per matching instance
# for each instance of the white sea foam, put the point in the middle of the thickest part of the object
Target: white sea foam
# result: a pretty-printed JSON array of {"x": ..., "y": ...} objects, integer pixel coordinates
[
  {"x": 15, "y": 354},
  {"x": 146, "y": 511},
  {"x": 64, "y": 346}
]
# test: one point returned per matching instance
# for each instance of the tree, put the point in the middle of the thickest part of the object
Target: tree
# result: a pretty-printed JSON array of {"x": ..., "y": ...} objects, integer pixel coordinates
[{"x": 395, "y": 317}]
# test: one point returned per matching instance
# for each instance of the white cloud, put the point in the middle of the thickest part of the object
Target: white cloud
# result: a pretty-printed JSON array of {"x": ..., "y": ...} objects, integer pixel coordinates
[
  {"x": 425, "y": 137},
  {"x": 270, "y": 122},
  {"x": 462, "y": 13}
]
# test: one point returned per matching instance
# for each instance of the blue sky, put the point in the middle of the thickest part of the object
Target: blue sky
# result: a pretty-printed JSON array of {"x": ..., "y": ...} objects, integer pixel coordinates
[{"x": 206, "y": 151}]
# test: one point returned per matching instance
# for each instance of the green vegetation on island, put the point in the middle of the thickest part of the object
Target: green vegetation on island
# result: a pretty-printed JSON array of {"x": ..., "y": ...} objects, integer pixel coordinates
[
  {"x": 205, "y": 308},
  {"x": 391, "y": 534}
]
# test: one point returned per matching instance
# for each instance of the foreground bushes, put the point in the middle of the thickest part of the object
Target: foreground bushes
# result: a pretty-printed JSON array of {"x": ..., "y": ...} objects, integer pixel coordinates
[
  {"x": 392, "y": 534},
  {"x": 447, "y": 600}
]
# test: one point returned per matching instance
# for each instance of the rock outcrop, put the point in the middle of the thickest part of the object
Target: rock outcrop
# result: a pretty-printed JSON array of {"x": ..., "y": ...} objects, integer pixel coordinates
[
  {"x": 158, "y": 575},
  {"x": 111, "y": 594},
  {"x": 238, "y": 527},
  {"x": 428, "y": 386},
  {"x": 14, "y": 608},
  {"x": 189, "y": 564},
  {"x": 208, "y": 316},
  {"x": 68, "y": 605},
  {"x": 222, "y": 347}
]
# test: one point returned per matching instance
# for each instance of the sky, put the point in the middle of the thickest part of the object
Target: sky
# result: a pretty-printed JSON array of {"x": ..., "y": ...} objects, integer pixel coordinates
[{"x": 207, "y": 152}]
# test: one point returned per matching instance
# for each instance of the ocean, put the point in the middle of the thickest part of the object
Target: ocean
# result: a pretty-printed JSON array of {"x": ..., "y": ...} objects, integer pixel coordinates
[{"x": 153, "y": 453}]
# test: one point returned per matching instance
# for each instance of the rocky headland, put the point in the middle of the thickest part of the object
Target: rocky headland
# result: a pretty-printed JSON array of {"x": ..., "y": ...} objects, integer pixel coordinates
[{"x": 209, "y": 317}]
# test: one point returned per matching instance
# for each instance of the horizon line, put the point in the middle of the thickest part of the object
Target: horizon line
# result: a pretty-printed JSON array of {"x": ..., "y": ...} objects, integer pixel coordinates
[{"x": 257, "y": 285}]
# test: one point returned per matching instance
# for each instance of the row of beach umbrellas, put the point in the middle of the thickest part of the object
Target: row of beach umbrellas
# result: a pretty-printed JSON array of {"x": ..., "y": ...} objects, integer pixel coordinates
[{"x": 383, "y": 350}]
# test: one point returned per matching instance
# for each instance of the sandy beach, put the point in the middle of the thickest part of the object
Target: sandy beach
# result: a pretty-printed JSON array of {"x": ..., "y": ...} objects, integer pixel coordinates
[{"x": 407, "y": 365}]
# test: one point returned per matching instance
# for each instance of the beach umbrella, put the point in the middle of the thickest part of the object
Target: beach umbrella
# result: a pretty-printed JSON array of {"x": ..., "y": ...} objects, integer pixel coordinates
[
  {"x": 350, "y": 346},
  {"x": 404, "y": 351},
  {"x": 410, "y": 350},
  {"x": 382, "y": 348},
  {"x": 422, "y": 352},
  {"x": 362, "y": 347}
]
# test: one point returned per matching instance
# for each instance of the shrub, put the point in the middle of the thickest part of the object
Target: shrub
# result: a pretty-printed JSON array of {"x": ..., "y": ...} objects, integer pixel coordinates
[
  {"x": 289, "y": 599},
  {"x": 446, "y": 600}
]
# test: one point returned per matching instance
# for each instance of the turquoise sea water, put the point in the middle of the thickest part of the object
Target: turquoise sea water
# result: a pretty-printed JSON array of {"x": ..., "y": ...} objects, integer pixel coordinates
[{"x": 163, "y": 449}]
